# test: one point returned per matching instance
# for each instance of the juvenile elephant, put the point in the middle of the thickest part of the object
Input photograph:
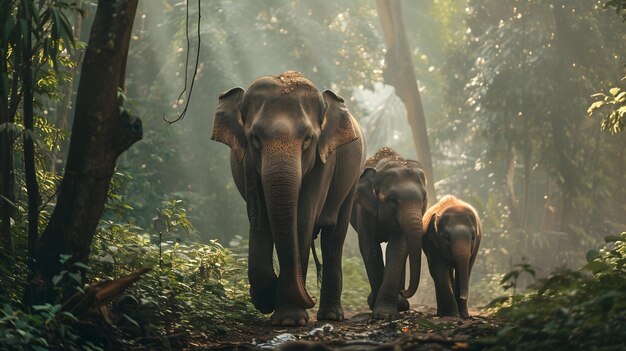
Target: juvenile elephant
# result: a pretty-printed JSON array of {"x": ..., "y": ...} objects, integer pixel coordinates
[
  {"x": 296, "y": 154},
  {"x": 390, "y": 200},
  {"x": 451, "y": 243}
]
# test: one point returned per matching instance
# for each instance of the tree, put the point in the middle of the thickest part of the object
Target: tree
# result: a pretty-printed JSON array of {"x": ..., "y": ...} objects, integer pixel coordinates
[
  {"x": 615, "y": 100},
  {"x": 400, "y": 73},
  {"x": 101, "y": 131},
  {"x": 540, "y": 167},
  {"x": 33, "y": 35}
]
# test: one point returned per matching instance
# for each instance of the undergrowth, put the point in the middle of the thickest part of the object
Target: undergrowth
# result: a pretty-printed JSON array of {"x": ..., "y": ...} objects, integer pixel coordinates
[
  {"x": 569, "y": 310},
  {"x": 193, "y": 289}
]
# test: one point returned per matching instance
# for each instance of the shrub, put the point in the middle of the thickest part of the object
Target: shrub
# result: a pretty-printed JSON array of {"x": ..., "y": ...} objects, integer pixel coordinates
[{"x": 583, "y": 309}]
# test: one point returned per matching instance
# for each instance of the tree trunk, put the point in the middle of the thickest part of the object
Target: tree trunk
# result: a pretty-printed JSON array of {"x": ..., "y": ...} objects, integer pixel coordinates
[
  {"x": 101, "y": 131},
  {"x": 7, "y": 179},
  {"x": 400, "y": 74},
  {"x": 7, "y": 117},
  {"x": 30, "y": 173},
  {"x": 65, "y": 104},
  {"x": 567, "y": 44}
]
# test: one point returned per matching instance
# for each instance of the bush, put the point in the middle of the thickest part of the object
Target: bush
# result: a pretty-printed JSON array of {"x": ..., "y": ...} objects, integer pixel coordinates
[
  {"x": 43, "y": 329},
  {"x": 198, "y": 289},
  {"x": 584, "y": 309}
]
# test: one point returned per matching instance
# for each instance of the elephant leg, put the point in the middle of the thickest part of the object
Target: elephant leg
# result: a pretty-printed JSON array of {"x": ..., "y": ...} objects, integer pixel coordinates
[
  {"x": 440, "y": 272},
  {"x": 260, "y": 255},
  {"x": 373, "y": 260},
  {"x": 403, "y": 302},
  {"x": 333, "y": 238},
  {"x": 386, "y": 305},
  {"x": 460, "y": 303},
  {"x": 288, "y": 313}
]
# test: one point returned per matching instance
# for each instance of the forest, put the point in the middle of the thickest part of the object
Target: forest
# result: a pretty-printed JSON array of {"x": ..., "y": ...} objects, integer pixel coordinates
[{"x": 298, "y": 175}]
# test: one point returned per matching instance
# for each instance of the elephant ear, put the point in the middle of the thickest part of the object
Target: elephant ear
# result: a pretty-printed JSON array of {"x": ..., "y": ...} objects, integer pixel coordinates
[
  {"x": 479, "y": 231},
  {"x": 337, "y": 127},
  {"x": 433, "y": 230},
  {"x": 365, "y": 195},
  {"x": 228, "y": 122}
]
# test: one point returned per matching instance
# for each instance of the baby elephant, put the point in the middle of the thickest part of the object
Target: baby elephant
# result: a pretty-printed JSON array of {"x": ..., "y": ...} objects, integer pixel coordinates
[
  {"x": 451, "y": 240},
  {"x": 388, "y": 207}
]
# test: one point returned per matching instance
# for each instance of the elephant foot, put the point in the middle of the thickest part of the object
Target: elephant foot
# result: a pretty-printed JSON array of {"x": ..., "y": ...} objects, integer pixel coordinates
[
  {"x": 385, "y": 313},
  {"x": 403, "y": 304},
  {"x": 289, "y": 317},
  {"x": 371, "y": 300},
  {"x": 463, "y": 312},
  {"x": 263, "y": 299},
  {"x": 330, "y": 314},
  {"x": 447, "y": 314}
]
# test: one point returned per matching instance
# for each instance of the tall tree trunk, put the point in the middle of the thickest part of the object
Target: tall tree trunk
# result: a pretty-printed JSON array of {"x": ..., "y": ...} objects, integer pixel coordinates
[
  {"x": 567, "y": 44},
  {"x": 30, "y": 173},
  {"x": 7, "y": 117},
  {"x": 101, "y": 131},
  {"x": 7, "y": 179},
  {"x": 400, "y": 74},
  {"x": 65, "y": 104}
]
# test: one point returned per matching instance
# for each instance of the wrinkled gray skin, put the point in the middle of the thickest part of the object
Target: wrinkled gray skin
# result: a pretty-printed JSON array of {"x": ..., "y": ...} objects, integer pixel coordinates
[
  {"x": 451, "y": 244},
  {"x": 295, "y": 158},
  {"x": 389, "y": 204}
]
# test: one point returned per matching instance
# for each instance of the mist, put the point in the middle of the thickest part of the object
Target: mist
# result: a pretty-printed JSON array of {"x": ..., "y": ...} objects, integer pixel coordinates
[
  {"x": 122, "y": 223},
  {"x": 505, "y": 88}
]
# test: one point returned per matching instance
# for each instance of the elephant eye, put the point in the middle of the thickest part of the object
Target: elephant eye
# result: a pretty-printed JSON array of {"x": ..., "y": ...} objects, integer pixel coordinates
[
  {"x": 256, "y": 141},
  {"x": 307, "y": 141},
  {"x": 392, "y": 201}
]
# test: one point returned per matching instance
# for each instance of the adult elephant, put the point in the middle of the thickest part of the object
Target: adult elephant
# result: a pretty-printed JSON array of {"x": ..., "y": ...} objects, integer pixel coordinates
[
  {"x": 451, "y": 244},
  {"x": 391, "y": 198},
  {"x": 296, "y": 154}
]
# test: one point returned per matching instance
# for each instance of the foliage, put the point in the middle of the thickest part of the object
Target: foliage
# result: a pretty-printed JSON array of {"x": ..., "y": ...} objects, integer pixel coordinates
[
  {"x": 582, "y": 309},
  {"x": 512, "y": 136},
  {"x": 615, "y": 101},
  {"x": 43, "y": 329},
  {"x": 198, "y": 289}
]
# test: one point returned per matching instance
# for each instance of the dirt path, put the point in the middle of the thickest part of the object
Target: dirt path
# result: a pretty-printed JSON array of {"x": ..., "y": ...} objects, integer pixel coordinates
[{"x": 418, "y": 328}]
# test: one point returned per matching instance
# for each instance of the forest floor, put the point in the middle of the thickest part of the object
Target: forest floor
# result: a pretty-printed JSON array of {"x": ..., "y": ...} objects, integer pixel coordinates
[{"x": 419, "y": 328}]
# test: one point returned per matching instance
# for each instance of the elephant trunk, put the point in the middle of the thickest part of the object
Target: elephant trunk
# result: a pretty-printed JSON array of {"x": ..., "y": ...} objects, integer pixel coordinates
[
  {"x": 461, "y": 255},
  {"x": 410, "y": 218},
  {"x": 281, "y": 178}
]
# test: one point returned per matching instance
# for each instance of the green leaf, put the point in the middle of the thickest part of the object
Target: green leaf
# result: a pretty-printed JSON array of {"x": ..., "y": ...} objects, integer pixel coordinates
[
  {"x": 596, "y": 267},
  {"x": 81, "y": 265},
  {"x": 592, "y": 255},
  {"x": 594, "y": 106}
]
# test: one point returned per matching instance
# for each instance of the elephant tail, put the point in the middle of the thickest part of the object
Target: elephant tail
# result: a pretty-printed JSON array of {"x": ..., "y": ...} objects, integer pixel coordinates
[{"x": 318, "y": 264}]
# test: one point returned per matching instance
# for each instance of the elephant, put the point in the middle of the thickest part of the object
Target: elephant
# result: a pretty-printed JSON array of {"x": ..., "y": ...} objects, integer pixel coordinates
[
  {"x": 296, "y": 156},
  {"x": 451, "y": 240},
  {"x": 390, "y": 200}
]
